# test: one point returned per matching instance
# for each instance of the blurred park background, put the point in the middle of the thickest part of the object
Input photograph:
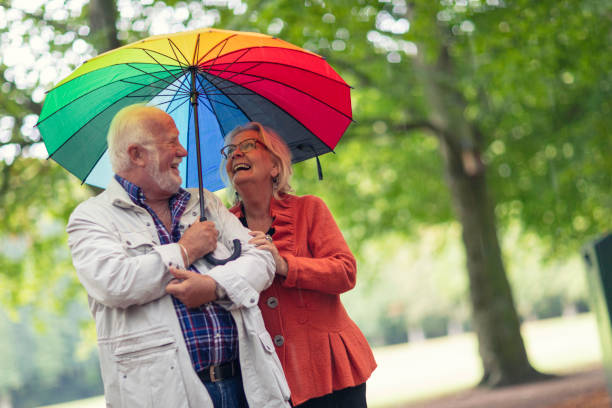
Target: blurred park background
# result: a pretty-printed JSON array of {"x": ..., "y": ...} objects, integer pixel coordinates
[{"x": 477, "y": 167}]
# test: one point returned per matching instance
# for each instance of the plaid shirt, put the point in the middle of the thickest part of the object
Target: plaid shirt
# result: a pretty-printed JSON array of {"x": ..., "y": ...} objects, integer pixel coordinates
[{"x": 209, "y": 330}]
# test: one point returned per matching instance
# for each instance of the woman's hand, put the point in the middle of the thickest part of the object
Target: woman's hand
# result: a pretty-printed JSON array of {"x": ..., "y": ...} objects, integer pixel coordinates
[{"x": 264, "y": 241}]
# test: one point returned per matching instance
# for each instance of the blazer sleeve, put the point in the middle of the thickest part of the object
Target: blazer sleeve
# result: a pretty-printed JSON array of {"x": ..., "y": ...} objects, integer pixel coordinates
[
  {"x": 110, "y": 274},
  {"x": 331, "y": 268}
]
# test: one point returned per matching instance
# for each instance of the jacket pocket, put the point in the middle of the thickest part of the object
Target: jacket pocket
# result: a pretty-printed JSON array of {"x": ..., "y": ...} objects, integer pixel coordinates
[
  {"x": 137, "y": 243},
  {"x": 148, "y": 370},
  {"x": 276, "y": 368}
]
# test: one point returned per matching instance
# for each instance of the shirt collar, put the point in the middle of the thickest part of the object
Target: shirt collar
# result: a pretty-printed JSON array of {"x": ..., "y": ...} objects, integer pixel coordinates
[{"x": 137, "y": 196}]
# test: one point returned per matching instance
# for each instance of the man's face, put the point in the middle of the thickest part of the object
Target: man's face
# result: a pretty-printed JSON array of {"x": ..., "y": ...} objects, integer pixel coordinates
[{"x": 165, "y": 153}]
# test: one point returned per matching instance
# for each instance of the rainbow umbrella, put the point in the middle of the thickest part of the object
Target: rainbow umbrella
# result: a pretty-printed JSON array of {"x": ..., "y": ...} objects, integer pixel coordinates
[
  {"x": 230, "y": 77},
  {"x": 209, "y": 81}
]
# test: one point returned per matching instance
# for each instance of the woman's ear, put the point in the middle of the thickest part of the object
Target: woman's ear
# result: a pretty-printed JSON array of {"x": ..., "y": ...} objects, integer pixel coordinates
[{"x": 275, "y": 171}]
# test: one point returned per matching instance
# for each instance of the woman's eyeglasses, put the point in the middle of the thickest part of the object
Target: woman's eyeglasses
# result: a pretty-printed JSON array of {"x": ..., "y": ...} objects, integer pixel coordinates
[{"x": 245, "y": 146}]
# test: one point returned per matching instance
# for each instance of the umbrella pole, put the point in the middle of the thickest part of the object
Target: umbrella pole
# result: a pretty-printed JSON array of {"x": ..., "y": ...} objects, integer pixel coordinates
[
  {"x": 194, "y": 104},
  {"x": 196, "y": 125}
]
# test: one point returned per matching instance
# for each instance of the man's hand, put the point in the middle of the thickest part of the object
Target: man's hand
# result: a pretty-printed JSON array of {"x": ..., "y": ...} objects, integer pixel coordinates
[
  {"x": 200, "y": 239},
  {"x": 191, "y": 288}
]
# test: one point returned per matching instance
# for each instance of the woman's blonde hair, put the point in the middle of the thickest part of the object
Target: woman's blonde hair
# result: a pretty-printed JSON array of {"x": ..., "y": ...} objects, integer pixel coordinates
[{"x": 280, "y": 154}]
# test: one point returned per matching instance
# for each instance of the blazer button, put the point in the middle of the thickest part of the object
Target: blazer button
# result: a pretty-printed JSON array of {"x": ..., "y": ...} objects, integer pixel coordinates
[
  {"x": 272, "y": 302},
  {"x": 279, "y": 340}
]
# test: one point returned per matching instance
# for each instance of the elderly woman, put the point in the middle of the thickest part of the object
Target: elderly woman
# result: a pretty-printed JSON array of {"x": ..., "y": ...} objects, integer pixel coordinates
[{"x": 324, "y": 355}]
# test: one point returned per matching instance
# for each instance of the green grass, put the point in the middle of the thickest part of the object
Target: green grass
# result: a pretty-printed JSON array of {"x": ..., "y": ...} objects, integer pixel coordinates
[
  {"x": 423, "y": 370},
  {"x": 415, "y": 371}
]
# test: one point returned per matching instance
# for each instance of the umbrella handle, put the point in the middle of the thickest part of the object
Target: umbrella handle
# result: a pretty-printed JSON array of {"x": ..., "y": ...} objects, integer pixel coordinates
[
  {"x": 214, "y": 261},
  {"x": 211, "y": 259}
]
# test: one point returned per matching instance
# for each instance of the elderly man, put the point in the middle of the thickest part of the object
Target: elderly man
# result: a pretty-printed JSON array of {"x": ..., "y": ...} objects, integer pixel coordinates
[{"x": 192, "y": 339}]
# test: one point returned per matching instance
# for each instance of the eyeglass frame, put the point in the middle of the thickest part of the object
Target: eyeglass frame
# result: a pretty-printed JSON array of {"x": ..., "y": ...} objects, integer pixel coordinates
[{"x": 239, "y": 146}]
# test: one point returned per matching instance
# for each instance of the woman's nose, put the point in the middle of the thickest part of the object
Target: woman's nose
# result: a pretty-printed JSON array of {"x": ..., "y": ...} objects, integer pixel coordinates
[{"x": 236, "y": 152}]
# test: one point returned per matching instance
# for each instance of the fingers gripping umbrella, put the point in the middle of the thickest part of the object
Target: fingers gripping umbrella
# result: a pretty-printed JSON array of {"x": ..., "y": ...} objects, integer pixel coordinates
[{"x": 209, "y": 81}]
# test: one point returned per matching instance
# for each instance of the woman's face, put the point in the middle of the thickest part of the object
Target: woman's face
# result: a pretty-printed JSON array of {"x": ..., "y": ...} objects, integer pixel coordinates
[{"x": 254, "y": 166}]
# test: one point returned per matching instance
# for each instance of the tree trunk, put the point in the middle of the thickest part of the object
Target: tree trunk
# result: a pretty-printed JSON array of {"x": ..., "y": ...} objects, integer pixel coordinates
[
  {"x": 494, "y": 316},
  {"x": 102, "y": 22}
]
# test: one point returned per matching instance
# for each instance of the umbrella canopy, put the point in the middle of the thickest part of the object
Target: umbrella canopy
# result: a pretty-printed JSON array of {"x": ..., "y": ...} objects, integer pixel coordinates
[{"x": 228, "y": 77}]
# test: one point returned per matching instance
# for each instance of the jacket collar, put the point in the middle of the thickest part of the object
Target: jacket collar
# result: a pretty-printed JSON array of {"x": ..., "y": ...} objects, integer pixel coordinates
[
  {"x": 281, "y": 205},
  {"x": 276, "y": 206},
  {"x": 117, "y": 196}
]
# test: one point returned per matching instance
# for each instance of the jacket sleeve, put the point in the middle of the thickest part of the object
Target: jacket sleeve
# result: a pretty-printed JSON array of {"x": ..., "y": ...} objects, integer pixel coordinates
[
  {"x": 245, "y": 277},
  {"x": 331, "y": 268},
  {"x": 110, "y": 274}
]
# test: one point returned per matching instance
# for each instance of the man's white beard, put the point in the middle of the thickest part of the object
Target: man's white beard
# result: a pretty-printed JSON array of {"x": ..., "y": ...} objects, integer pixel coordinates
[{"x": 166, "y": 181}]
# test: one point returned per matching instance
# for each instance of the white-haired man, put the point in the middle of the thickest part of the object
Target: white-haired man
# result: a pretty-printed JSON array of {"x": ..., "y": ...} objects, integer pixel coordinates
[{"x": 169, "y": 337}]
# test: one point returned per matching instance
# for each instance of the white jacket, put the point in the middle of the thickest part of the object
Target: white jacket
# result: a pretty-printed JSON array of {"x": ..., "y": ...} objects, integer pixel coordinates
[{"x": 143, "y": 356}]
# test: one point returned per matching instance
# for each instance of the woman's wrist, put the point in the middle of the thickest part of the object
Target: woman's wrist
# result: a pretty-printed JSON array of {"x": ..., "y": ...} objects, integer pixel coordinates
[{"x": 282, "y": 267}]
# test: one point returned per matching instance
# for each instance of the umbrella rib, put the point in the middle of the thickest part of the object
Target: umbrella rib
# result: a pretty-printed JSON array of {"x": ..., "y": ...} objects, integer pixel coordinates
[
  {"x": 206, "y": 96},
  {"x": 165, "y": 102},
  {"x": 220, "y": 49},
  {"x": 225, "y": 40},
  {"x": 224, "y": 103},
  {"x": 178, "y": 106},
  {"x": 147, "y": 50},
  {"x": 140, "y": 96},
  {"x": 260, "y": 78},
  {"x": 178, "y": 89},
  {"x": 286, "y": 65},
  {"x": 85, "y": 94},
  {"x": 160, "y": 64},
  {"x": 148, "y": 73},
  {"x": 212, "y": 108},
  {"x": 237, "y": 107},
  {"x": 176, "y": 95},
  {"x": 246, "y": 50},
  {"x": 207, "y": 87},
  {"x": 195, "y": 51},
  {"x": 176, "y": 48},
  {"x": 85, "y": 124},
  {"x": 243, "y": 83},
  {"x": 280, "y": 108},
  {"x": 92, "y": 167}
]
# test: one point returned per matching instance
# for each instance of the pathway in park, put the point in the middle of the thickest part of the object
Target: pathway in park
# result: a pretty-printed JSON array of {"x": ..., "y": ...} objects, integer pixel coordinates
[{"x": 585, "y": 389}]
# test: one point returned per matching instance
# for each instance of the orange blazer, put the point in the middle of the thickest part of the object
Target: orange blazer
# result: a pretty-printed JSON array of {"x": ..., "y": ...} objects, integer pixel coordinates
[{"x": 320, "y": 348}]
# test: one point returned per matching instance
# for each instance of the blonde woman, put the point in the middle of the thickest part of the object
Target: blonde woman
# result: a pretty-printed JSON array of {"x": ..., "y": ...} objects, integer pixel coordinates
[{"x": 325, "y": 357}]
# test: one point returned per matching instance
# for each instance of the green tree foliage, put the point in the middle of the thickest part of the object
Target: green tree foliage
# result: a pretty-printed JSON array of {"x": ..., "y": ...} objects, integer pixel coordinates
[
  {"x": 39, "y": 359},
  {"x": 456, "y": 70}
]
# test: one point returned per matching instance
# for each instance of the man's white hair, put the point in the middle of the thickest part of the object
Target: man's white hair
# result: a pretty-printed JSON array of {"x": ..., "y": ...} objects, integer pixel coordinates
[{"x": 129, "y": 126}]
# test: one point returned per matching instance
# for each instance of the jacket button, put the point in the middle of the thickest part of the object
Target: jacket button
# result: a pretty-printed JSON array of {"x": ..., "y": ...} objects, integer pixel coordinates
[
  {"x": 279, "y": 340},
  {"x": 272, "y": 302}
]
